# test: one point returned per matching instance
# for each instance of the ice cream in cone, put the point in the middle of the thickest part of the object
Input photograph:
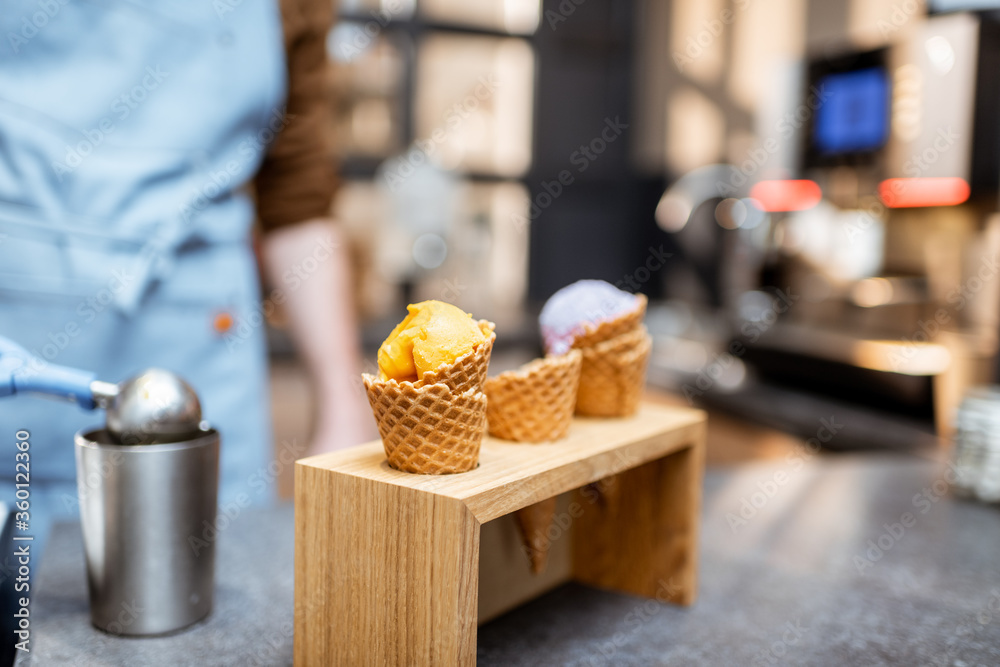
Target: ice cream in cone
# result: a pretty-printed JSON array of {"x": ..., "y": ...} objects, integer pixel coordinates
[
  {"x": 605, "y": 324},
  {"x": 534, "y": 403},
  {"x": 427, "y": 399}
]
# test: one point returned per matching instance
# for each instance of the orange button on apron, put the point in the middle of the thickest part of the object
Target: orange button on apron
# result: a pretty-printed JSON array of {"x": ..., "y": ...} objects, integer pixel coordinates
[{"x": 222, "y": 322}]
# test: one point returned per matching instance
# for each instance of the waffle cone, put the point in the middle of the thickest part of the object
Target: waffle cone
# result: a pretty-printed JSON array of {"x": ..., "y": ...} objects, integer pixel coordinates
[
  {"x": 609, "y": 493},
  {"x": 613, "y": 375},
  {"x": 534, "y": 521},
  {"x": 604, "y": 331},
  {"x": 534, "y": 403},
  {"x": 428, "y": 429},
  {"x": 468, "y": 372},
  {"x": 435, "y": 426}
]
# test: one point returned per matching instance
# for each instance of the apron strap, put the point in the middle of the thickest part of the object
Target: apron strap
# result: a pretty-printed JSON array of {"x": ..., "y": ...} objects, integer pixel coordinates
[
  {"x": 153, "y": 262},
  {"x": 153, "y": 256}
]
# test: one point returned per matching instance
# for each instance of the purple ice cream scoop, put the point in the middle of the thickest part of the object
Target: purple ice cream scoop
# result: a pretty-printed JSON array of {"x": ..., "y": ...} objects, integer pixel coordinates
[{"x": 584, "y": 302}]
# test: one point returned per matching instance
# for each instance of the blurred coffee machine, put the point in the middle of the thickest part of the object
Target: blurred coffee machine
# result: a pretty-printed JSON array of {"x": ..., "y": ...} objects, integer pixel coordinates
[{"x": 869, "y": 276}]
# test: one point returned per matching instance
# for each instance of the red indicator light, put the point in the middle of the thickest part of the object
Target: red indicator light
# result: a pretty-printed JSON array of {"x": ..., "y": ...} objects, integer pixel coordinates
[
  {"x": 914, "y": 192},
  {"x": 786, "y": 195}
]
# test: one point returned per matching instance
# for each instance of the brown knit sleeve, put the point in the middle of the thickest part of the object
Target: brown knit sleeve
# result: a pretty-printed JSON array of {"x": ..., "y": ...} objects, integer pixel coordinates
[{"x": 296, "y": 180}]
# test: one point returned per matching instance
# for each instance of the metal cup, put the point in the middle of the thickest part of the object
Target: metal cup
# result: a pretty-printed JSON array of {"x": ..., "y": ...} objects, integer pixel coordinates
[{"x": 144, "y": 510}]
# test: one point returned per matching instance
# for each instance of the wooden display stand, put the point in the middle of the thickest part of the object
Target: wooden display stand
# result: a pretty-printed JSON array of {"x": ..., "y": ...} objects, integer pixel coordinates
[{"x": 389, "y": 567}]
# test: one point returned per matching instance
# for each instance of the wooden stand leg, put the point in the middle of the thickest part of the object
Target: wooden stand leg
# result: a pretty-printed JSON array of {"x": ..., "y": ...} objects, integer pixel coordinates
[
  {"x": 384, "y": 574},
  {"x": 646, "y": 541}
]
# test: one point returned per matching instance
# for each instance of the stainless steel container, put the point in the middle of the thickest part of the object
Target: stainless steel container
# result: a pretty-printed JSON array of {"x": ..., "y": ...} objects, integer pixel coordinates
[{"x": 148, "y": 518}]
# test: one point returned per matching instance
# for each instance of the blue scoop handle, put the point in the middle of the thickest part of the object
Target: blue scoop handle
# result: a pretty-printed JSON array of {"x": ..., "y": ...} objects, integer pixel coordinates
[{"x": 21, "y": 372}]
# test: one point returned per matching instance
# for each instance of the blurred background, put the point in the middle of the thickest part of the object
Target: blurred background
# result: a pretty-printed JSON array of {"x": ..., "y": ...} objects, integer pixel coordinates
[{"x": 806, "y": 190}]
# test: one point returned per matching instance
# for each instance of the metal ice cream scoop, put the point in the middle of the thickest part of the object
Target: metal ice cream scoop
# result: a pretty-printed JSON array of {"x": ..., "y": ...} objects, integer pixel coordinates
[{"x": 153, "y": 407}]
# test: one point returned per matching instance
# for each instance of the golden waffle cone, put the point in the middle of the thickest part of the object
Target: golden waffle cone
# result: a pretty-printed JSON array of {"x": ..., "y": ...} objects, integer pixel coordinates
[
  {"x": 535, "y": 403},
  {"x": 613, "y": 375},
  {"x": 427, "y": 429},
  {"x": 603, "y": 331},
  {"x": 468, "y": 372},
  {"x": 534, "y": 521},
  {"x": 435, "y": 426}
]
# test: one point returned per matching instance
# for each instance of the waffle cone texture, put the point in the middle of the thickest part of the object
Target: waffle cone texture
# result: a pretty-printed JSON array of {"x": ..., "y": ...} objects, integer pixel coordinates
[
  {"x": 602, "y": 331},
  {"x": 534, "y": 403},
  {"x": 615, "y": 354},
  {"x": 435, "y": 426}
]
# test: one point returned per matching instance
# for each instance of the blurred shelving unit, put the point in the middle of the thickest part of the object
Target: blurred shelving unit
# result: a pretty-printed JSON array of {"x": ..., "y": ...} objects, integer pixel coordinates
[{"x": 431, "y": 118}]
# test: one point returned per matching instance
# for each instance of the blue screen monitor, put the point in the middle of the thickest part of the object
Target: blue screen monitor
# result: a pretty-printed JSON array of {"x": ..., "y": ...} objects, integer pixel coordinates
[
  {"x": 941, "y": 6},
  {"x": 853, "y": 114}
]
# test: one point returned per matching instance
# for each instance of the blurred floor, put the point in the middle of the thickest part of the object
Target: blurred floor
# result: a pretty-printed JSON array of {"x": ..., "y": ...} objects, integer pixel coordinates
[{"x": 730, "y": 440}]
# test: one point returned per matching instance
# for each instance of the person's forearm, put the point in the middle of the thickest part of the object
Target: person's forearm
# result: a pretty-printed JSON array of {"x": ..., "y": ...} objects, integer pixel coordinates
[{"x": 309, "y": 263}]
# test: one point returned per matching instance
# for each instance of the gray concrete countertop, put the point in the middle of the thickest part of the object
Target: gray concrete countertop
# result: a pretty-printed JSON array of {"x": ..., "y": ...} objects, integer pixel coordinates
[
  {"x": 250, "y": 623},
  {"x": 793, "y": 580}
]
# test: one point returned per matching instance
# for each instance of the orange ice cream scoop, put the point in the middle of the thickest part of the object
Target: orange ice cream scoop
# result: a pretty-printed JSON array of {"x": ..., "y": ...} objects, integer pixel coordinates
[{"x": 432, "y": 334}]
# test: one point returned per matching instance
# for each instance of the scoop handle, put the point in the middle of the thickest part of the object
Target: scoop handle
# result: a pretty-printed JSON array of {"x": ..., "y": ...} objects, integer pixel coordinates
[{"x": 21, "y": 372}]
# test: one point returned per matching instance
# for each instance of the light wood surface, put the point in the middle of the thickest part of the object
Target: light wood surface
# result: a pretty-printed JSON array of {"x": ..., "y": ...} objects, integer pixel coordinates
[
  {"x": 513, "y": 475},
  {"x": 642, "y": 536},
  {"x": 505, "y": 577},
  {"x": 383, "y": 574},
  {"x": 387, "y": 564}
]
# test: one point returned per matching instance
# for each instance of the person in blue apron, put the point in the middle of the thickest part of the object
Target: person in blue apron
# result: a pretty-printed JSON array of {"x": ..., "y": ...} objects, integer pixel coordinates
[{"x": 131, "y": 136}]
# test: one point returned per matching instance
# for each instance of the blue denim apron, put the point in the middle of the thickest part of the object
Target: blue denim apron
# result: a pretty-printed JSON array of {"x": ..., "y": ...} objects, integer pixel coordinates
[{"x": 128, "y": 131}]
